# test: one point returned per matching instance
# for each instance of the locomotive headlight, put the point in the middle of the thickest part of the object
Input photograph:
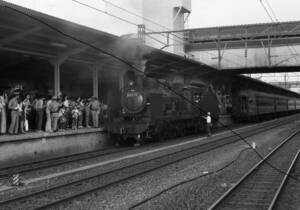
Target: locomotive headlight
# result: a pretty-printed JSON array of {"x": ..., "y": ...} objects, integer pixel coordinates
[{"x": 133, "y": 101}]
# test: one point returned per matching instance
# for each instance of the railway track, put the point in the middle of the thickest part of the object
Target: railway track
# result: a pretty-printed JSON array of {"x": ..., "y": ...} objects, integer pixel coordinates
[
  {"x": 60, "y": 194},
  {"x": 287, "y": 196},
  {"x": 59, "y": 161},
  {"x": 38, "y": 165},
  {"x": 260, "y": 187}
]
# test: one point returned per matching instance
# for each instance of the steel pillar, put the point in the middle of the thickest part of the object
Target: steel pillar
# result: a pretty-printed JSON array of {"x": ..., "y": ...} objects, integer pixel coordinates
[
  {"x": 95, "y": 82},
  {"x": 269, "y": 51},
  {"x": 219, "y": 51},
  {"x": 56, "y": 78}
]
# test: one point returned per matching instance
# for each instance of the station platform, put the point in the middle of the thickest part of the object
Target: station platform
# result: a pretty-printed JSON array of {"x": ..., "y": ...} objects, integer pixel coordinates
[{"x": 36, "y": 146}]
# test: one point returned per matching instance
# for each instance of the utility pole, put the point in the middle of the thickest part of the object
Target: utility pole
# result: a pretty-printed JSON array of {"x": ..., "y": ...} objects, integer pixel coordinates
[
  {"x": 285, "y": 78},
  {"x": 219, "y": 50}
]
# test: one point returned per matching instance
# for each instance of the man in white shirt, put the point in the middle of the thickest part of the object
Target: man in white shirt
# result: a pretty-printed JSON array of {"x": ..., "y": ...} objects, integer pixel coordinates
[{"x": 208, "y": 123}]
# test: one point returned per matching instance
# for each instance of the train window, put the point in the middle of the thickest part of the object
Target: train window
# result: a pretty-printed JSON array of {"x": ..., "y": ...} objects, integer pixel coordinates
[
  {"x": 197, "y": 97},
  {"x": 168, "y": 108},
  {"x": 244, "y": 103}
]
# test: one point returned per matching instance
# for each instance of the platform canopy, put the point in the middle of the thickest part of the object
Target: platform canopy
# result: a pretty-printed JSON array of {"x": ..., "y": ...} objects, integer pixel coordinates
[
  {"x": 24, "y": 33},
  {"x": 244, "y": 81}
]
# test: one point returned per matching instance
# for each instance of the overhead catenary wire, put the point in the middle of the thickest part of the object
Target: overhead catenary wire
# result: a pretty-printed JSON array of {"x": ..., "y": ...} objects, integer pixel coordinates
[
  {"x": 164, "y": 85},
  {"x": 277, "y": 22},
  {"x": 139, "y": 71},
  {"x": 181, "y": 42},
  {"x": 266, "y": 10},
  {"x": 170, "y": 89},
  {"x": 177, "y": 35},
  {"x": 117, "y": 17},
  {"x": 272, "y": 11},
  {"x": 140, "y": 16},
  {"x": 125, "y": 20},
  {"x": 144, "y": 18},
  {"x": 291, "y": 48}
]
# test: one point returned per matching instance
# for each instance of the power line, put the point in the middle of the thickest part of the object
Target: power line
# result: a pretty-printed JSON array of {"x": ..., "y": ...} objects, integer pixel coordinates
[
  {"x": 272, "y": 11},
  {"x": 181, "y": 41},
  {"x": 291, "y": 48},
  {"x": 162, "y": 84},
  {"x": 151, "y": 21},
  {"x": 137, "y": 15},
  {"x": 132, "y": 13},
  {"x": 266, "y": 10},
  {"x": 188, "y": 181},
  {"x": 117, "y": 17}
]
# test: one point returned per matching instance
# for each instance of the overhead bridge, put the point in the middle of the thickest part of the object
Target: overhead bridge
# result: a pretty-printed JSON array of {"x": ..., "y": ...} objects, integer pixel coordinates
[{"x": 255, "y": 48}]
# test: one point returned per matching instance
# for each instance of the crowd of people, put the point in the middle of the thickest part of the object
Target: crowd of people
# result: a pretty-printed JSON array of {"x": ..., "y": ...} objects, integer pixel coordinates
[{"x": 20, "y": 114}]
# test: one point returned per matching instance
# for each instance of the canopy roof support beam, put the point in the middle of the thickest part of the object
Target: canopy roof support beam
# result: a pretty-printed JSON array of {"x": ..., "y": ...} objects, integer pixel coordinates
[
  {"x": 44, "y": 55},
  {"x": 66, "y": 55},
  {"x": 18, "y": 36}
]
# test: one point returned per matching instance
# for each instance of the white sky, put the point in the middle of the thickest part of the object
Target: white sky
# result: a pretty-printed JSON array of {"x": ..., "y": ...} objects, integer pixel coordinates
[
  {"x": 232, "y": 12},
  {"x": 205, "y": 13}
]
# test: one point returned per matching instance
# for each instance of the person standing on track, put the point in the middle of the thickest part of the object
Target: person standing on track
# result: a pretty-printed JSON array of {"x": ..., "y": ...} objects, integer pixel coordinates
[{"x": 208, "y": 123}]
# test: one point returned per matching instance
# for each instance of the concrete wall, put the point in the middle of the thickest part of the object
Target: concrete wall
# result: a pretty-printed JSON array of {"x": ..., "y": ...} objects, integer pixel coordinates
[{"x": 15, "y": 150}]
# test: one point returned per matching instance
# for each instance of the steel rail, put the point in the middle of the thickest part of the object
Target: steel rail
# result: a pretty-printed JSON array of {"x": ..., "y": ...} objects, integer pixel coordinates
[
  {"x": 218, "y": 202},
  {"x": 5, "y": 202},
  {"x": 211, "y": 146},
  {"x": 42, "y": 164},
  {"x": 279, "y": 190},
  {"x": 47, "y": 163}
]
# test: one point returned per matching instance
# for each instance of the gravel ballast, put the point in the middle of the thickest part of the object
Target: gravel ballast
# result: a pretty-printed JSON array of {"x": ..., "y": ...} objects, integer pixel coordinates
[
  {"x": 198, "y": 194},
  {"x": 131, "y": 192}
]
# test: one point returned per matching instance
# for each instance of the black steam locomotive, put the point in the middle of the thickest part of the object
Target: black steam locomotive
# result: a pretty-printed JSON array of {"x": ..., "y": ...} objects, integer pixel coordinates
[{"x": 150, "y": 111}]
